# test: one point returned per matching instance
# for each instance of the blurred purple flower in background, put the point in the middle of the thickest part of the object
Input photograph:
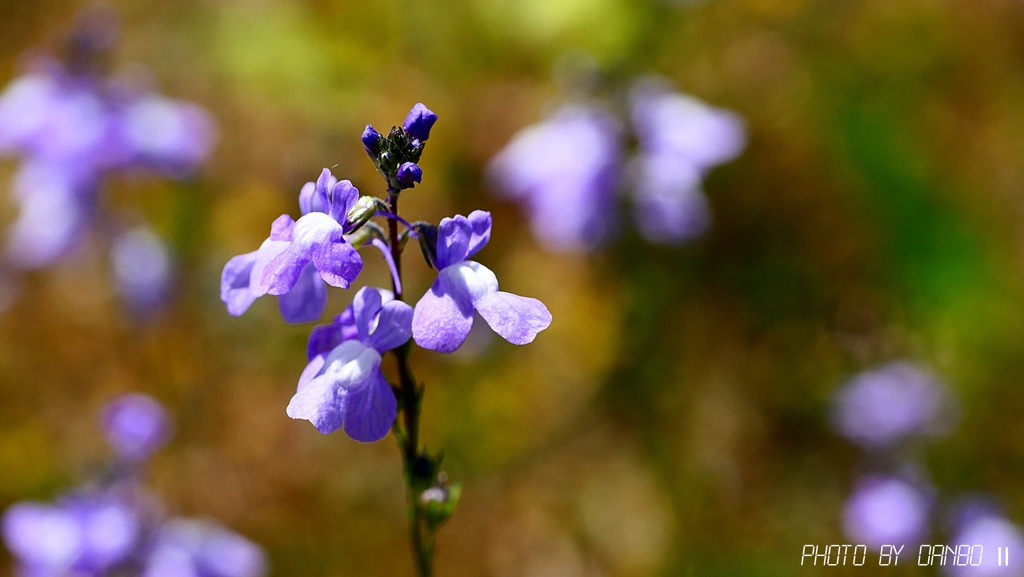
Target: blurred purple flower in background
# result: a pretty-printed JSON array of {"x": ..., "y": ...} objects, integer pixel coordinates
[
  {"x": 70, "y": 133},
  {"x": 881, "y": 407},
  {"x": 567, "y": 170},
  {"x": 680, "y": 139},
  {"x": 112, "y": 526},
  {"x": 143, "y": 270},
  {"x": 190, "y": 548},
  {"x": 45, "y": 540},
  {"x": 992, "y": 532},
  {"x": 136, "y": 426},
  {"x": 444, "y": 314},
  {"x": 71, "y": 125},
  {"x": 887, "y": 510}
]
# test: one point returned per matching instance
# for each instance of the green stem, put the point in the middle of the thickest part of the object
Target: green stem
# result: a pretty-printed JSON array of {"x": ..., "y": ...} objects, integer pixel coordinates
[{"x": 421, "y": 538}]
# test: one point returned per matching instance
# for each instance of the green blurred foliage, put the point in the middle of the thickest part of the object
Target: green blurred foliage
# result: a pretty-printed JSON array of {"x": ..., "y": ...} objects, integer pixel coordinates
[{"x": 673, "y": 420}]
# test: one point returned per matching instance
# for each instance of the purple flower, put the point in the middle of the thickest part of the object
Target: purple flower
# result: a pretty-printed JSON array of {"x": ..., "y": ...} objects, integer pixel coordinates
[
  {"x": 136, "y": 426},
  {"x": 672, "y": 123},
  {"x": 419, "y": 121},
  {"x": 169, "y": 135},
  {"x": 142, "y": 269},
  {"x": 680, "y": 139},
  {"x": 992, "y": 532},
  {"x": 187, "y": 548},
  {"x": 84, "y": 534},
  {"x": 409, "y": 174},
  {"x": 46, "y": 540},
  {"x": 565, "y": 170},
  {"x": 670, "y": 206},
  {"x": 317, "y": 238},
  {"x": 344, "y": 385},
  {"x": 63, "y": 119},
  {"x": 299, "y": 256},
  {"x": 886, "y": 510},
  {"x": 56, "y": 206},
  {"x": 110, "y": 530},
  {"x": 881, "y": 407},
  {"x": 444, "y": 315}
]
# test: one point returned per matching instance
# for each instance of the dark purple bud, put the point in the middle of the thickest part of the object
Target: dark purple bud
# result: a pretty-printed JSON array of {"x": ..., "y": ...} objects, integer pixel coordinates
[
  {"x": 409, "y": 174},
  {"x": 419, "y": 122},
  {"x": 371, "y": 140}
]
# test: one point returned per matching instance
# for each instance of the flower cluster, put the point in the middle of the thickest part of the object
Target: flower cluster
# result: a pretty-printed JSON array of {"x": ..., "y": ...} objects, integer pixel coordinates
[
  {"x": 883, "y": 411},
  {"x": 568, "y": 170},
  {"x": 112, "y": 526},
  {"x": 342, "y": 385},
  {"x": 71, "y": 125}
]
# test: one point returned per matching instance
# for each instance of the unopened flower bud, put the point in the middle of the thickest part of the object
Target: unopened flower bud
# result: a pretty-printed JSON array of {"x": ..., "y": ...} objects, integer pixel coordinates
[
  {"x": 371, "y": 141},
  {"x": 419, "y": 122},
  {"x": 362, "y": 212},
  {"x": 360, "y": 236},
  {"x": 409, "y": 174}
]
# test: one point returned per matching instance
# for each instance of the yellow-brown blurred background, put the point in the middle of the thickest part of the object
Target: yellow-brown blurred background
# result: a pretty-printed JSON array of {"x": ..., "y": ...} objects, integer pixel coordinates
[{"x": 673, "y": 419}]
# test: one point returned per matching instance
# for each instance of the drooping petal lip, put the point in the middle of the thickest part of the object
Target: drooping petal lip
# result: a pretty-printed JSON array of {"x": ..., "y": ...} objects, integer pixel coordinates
[{"x": 323, "y": 399}]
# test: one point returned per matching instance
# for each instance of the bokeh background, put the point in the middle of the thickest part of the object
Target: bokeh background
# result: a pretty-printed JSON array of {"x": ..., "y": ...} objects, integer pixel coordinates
[{"x": 674, "y": 418}]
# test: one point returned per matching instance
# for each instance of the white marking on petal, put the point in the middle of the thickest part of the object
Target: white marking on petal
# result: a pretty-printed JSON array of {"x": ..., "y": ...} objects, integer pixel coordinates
[
  {"x": 351, "y": 364},
  {"x": 471, "y": 278}
]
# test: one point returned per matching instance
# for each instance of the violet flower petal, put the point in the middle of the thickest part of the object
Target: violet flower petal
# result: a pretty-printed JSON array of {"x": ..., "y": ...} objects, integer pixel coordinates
[
  {"x": 453, "y": 237},
  {"x": 234, "y": 284},
  {"x": 324, "y": 338},
  {"x": 440, "y": 322},
  {"x": 317, "y": 238},
  {"x": 323, "y": 400},
  {"x": 394, "y": 327},
  {"x": 365, "y": 306},
  {"x": 371, "y": 410},
  {"x": 480, "y": 225},
  {"x": 343, "y": 198},
  {"x": 306, "y": 302},
  {"x": 517, "y": 319},
  {"x": 308, "y": 199},
  {"x": 282, "y": 228}
]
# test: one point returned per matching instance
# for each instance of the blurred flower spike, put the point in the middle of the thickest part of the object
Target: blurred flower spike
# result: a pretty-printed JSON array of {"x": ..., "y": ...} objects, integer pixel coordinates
[
  {"x": 569, "y": 169},
  {"x": 113, "y": 526},
  {"x": 71, "y": 124},
  {"x": 343, "y": 386}
]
